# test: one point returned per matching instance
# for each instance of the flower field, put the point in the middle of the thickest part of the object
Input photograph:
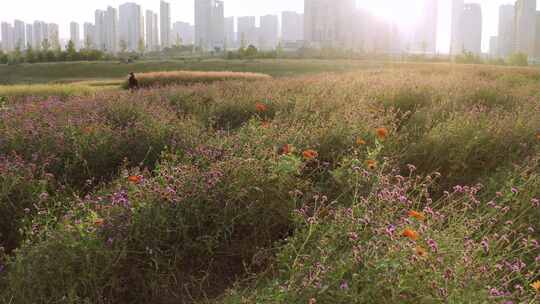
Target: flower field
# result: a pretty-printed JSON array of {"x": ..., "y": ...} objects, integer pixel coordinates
[{"x": 396, "y": 184}]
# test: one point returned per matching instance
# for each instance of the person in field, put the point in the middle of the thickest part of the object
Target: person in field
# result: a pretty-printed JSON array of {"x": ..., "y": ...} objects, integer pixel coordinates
[{"x": 133, "y": 83}]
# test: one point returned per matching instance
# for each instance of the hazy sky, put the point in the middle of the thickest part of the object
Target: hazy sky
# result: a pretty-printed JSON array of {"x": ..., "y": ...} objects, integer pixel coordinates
[{"x": 65, "y": 11}]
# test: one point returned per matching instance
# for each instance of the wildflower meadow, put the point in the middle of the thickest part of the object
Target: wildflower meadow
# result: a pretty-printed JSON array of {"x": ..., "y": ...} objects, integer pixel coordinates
[{"x": 406, "y": 183}]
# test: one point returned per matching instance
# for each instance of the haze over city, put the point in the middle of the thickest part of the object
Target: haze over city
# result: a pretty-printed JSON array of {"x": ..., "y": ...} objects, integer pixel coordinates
[{"x": 399, "y": 11}]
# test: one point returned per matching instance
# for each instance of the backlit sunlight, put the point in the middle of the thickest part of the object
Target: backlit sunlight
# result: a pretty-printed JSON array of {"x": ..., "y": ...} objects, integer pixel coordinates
[{"x": 403, "y": 13}]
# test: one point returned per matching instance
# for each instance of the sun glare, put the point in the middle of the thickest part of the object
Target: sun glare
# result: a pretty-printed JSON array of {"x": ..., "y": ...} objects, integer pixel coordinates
[{"x": 404, "y": 13}]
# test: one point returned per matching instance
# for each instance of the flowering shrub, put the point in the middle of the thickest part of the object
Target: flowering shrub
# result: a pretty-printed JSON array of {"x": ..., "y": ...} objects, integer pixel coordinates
[
  {"x": 89, "y": 139},
  {"x": 456, "y": 249},
  {"x": 24, "y": 187},
  {"x": 312, "y": 189}
]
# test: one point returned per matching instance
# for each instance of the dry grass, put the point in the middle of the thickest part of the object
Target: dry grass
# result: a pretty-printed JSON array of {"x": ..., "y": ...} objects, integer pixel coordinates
[
  {"x": 161, "y": 79},
  {"x": 40, "y": 91}
]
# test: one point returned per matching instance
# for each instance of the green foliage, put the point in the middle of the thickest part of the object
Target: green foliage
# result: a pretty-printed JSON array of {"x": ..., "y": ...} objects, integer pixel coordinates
[
  {"x": 468, "y": 58},
  {"x": 518, "y": 59}
]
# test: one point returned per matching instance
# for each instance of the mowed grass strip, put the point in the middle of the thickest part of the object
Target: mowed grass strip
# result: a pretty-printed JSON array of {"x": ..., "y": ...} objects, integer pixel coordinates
[{"x": 161, "y": 79}]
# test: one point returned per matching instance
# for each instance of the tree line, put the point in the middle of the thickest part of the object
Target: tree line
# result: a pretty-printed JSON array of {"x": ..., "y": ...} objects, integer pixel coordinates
[{"x": 50, "y": 53}]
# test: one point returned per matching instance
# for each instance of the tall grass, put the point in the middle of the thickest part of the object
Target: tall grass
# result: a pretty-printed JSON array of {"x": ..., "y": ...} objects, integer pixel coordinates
[
  {"x": 161, "y": 79},
  {"x": 43, "y": 91}
]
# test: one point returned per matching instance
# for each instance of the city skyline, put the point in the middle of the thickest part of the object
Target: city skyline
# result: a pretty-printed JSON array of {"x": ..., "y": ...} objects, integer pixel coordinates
[{"x": 184, "y": 11}]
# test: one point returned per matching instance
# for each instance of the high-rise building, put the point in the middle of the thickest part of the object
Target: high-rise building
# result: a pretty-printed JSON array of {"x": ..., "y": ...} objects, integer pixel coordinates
[
  {"x": 111, "y": 30},
  {"x": 537, "y": 40},
  {"x": 472, "y": 28},
  {"x": 456, "y": 39},
  {"x": 106, "y": 30},
  {"x": 40, "y": 33},
  {"x": 89, "y": 35},
  {"x": 329, "y": 22},
  {"x": 152, "y": 39},
  {"x": 247, "y": 31},
  {"x": 99, "y": 30},
  {"x": 8, "y": 43},
  {"x": 493, "y": 46},
  {"x": 268, "y": 33},
  {"x": 131, "y": 27},
  {"x": 292, "y": 26},
  {"x": 218, "y": 24},
  {"x": 165, "y": 24},
  {"x": 75, "y": 35},
  {"x": 19, "y": 34},
  {"x": 525, "y": 27},
  {"x": 209, "y": 24},
  {"x": 29, "y": 35},
  {"x": 425, "y": 36},
  {"x": 230, "y": 35},
  {"x": 183, "y": 33},
  {"x": 53, "y": 31},
  {"x": 505, "y": 38}
]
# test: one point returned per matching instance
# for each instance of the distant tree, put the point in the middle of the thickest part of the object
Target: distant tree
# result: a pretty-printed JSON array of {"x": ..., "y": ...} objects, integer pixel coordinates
[
  {"x": 243, "y": 41},
  {"x": 251, "y": 51},
  {"x": 50, "y": 56},
  {"x": 17, "y": 56},
  {"x": 141, "y": 46},
  {"x": 3, "y": 57},
  {"x": 468, "y": 58},
  {"x": 424, "y": 47},
  {"x": 279, "y": 49},
  {"x": 30, "y": 56},
  {"x": 178, "y": 41},
  {"x": 45, "y": 45},
  {"x": 518, "y": 59},
  {"x": 88, "y": 43},
  {"x": 123, "y": 46},
  {"x": 71, "y": 52}
]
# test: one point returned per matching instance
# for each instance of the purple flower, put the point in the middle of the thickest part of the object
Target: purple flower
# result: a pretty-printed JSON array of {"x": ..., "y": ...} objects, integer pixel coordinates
[
  {"x": 353, "y": 236},
  {"x": 514, "y": 190},
  {"x": 344, "y": 285},
  {"x": 433, "y": 245},
  {"x": 390, "y": 230},
  {"x": 535, "y": 202},
  {"x": 494, "y": 292}
]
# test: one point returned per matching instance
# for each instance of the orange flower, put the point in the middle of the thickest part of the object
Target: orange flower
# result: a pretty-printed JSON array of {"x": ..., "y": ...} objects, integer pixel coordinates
[
  {"x": 88, "y": 130},
  {"x": 136, "y": 179},
  {"x": 417, "y": 215},
  {"x": 411, "y": 234},
  {"x": 99, "y": 222},
  {"x": 265, "y": 125},
  {"x": 261, "y": 107},
  {"x": 382, "y": 133},
  {"x": 538, "y": 135},
  {"x": 371, "y": 164},
  {"x": 420, "y": 251},
  {"x": 310, "y": 154},
  {"x": 286, "y": 149},
  {"x": 360, "y": 142},
  {"x": 536, "y": 286}
]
